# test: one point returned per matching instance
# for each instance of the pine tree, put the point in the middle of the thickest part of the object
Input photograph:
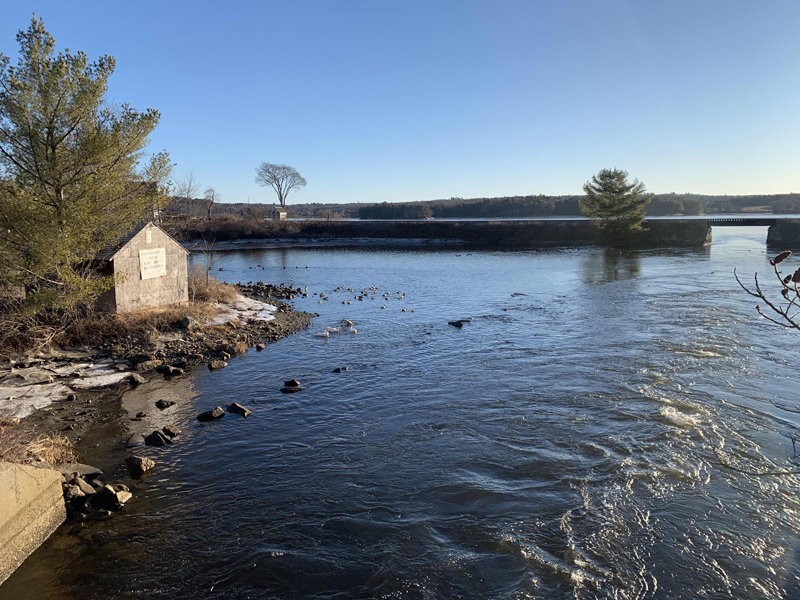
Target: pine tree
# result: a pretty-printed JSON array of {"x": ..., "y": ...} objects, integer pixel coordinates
[
  {"x": 70, "y": 176},
  {"x": 613, "y": 204}
]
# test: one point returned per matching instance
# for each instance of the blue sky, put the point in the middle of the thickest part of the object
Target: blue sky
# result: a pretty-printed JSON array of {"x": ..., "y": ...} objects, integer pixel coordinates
[{"x": 389, "y": 101}]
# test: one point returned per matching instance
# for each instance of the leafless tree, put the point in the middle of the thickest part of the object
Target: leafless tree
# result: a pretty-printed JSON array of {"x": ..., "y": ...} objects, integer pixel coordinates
[
  {"x": 186, "y": 189},
  {"x": 281, "y": 178},
  {"x": 210, "y": 198},
  {"x": 786, "y": 311}
]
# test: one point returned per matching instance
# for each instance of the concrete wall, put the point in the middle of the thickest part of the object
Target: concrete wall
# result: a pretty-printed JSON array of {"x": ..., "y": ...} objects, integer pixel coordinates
[
  {"x": 784, "y": 235},
  {"x": 31, "y": 508},
  {"x": 132, "y": 292}
]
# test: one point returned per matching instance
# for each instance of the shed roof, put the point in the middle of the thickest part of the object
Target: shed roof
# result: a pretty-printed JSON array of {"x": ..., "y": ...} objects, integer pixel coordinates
[
  {"x": 109, "y": 252},
  {"x": 279, "y": 209}
]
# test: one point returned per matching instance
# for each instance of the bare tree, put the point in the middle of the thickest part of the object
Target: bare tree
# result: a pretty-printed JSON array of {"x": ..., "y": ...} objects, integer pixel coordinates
[
  {"x": 281, "y": 178},
  {"x": 186, "y": 189},
  {"x": 786, "y": 311},
  {"x": 210, "y": 198}
]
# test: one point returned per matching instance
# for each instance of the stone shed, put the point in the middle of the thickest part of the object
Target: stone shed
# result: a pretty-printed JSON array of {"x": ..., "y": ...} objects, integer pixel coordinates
[{"x": 150, "y": 268}]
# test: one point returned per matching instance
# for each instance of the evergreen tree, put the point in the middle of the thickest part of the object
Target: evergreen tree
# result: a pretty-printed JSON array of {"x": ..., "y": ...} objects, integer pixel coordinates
[
  {"x": 70, "y": 175},
  {"x": 613, "y": 204}
]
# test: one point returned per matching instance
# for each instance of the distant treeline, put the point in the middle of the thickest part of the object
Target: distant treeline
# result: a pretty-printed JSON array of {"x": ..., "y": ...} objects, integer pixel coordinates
[{"x": 507, "y": 207}]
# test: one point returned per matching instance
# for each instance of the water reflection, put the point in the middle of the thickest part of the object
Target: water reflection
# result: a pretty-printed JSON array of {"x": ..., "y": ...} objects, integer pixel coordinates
[{"x": 610, "y": 264}]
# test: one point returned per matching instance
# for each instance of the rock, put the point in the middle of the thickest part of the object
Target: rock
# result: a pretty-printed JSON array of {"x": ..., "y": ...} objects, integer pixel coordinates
[
  {"x": 458, "y": 324},
  {"x": 180, "y": 364},
  {"x": 157, "y": 439},
  {"x": 138, "y": 465},
  {"x": 163, "y": 404},
  {"x": 211, "y": 415},
  {"x": 340, "y": 369},
  {"x": 291, "y": 390},
  {"x": 135, "y": 440},
  {"x": 110, "y": 499},
  {"x": 189, "y": 323},
  {"x": 292, "y": 383},
  {"x": 238, "y": 409},
  {"x": 141, "y": 415},
  {"x": 171, "y": 431},
  {"x": 225, "y": 356},
  {"x": 87, "y": 489},
  {"x": 259, "y": 347},
  {"x": 72, "y": 491},
  {"x": 70, "y": 398},
  {"x": 174, "y": 371},
  {"x": 85, "y": 471},
  {"x": 139, "y": 358},
  {"x": 217, "y": 364},
  {"x": 148, "y": 365},
  {"x": 136, "y": 379},
  {"x": 196, "y": 356}
]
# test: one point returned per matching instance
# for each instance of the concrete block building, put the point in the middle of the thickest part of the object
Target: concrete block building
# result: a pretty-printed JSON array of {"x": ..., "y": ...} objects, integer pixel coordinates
[{"x": 150, "y": 268}]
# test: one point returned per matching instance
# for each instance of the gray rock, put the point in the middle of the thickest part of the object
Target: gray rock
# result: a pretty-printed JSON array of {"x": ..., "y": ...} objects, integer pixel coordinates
[
  {"x": 291, "y": 390},
  {"x": 217, "y": 364},
  {"x": 135, "y": 440},
  {"x": 189, "y": 323},
  {"x": 110, "y": 499},
  {"x": 211, "y": 415},
  {"x": 72, "y": 491},
  {"x": 87, "y": 489},
  {"x": 157, "y": 439},
  {"x": 148, "y": 365},
  {"x": 136, "y": 379},
  {"x": 171, "y": 431},
  {"x": 85, "y": 471},
  {"x": 238, "y": 409},
  {"x": 138, "y": 465}
]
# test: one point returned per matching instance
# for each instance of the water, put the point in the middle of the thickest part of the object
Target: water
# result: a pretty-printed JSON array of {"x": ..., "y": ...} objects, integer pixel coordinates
[{"x": 564, "y": 444}]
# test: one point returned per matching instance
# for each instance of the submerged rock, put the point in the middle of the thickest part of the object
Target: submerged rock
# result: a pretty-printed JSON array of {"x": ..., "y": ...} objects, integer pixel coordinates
[
  {"x": 458, "y": 324},
  {"x": 171, "y": 431},
  {"x": 238, "y": 409},
  {"x": 291, "y": 390},
  {"x": 157, "y": 439},
  {"x": 211, "y": 415},
  {"x": 138, "y": 465},
  {"x": 162, "y": 404},
  {"x": 135, "y": 440}
]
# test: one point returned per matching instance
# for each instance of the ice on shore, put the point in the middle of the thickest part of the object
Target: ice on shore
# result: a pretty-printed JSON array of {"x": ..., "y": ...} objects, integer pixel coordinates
[{"x": 244, "y": 309}]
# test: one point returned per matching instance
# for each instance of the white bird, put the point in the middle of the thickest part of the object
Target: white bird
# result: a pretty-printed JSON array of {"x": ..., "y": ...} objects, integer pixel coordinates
[
  {"x": 324, "y": 334},
  {"x": 332, "y": 330},
  {"x": 353, "y": 330}
]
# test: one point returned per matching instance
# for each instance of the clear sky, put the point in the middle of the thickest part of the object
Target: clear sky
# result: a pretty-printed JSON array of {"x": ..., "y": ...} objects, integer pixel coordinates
[{"x": 387, "y": 101}]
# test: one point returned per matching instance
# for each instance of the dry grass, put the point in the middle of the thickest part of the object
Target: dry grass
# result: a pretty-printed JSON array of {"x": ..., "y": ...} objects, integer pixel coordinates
[
  {"x": 19, "y": 446},
  {"x": 203, "y": 288}
]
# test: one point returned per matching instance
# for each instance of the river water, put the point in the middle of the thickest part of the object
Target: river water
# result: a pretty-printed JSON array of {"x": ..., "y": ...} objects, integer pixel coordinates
[{"x": 565, "y": 443}]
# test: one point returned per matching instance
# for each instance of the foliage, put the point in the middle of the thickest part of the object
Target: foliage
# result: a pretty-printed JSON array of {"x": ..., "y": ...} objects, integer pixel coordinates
[
  {"x": 70, "y": 176},
  {"x": 614, "y": 204},
  {"x": 281, "y": 178}
]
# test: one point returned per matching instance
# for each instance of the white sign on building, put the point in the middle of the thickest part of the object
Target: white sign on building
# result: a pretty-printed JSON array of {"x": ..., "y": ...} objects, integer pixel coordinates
[{"x": 153, "y": 263}]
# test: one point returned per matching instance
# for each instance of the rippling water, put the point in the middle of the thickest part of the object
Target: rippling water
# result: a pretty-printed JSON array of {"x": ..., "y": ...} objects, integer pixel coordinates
[{"x": 566, "y": 443}]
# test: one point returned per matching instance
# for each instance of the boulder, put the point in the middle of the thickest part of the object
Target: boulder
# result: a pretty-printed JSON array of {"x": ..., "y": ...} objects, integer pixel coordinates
[
  {"x": 109, "y": 498},
  {"x": 85, "y": 471},
  {"x": 148, "y": 365},
  {"x": 72, "y": 491},
  {"x": 87, "y": 489},
  {"x": 157, "y": 439},
  {"x": 135, "y": 440},
  {"x": 292, "y": 383},
  {"x": 211, "y": 415},
  {"x": 259, "y": 347},
  {"x": 458, "y": 324},
  {"x": 171, "y": 431},
  {"x": 188, "y": 323},
  {"x": 238, "y": 409},
  {"x": 138, "y": 465},
  {"x": 136, "y": 379},
  {"x": 217, "y": 364},
  {"x": 162, "y": 404}
]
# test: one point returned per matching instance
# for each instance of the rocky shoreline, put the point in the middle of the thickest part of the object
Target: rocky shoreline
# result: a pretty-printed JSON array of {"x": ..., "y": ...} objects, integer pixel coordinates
[{"x": 76, "y": 393}]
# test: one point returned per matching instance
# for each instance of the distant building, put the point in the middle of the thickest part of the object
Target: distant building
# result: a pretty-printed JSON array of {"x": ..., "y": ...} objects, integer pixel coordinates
[
  {"x": 278, "y": 214},
  {"x": 150, "y": 268}
]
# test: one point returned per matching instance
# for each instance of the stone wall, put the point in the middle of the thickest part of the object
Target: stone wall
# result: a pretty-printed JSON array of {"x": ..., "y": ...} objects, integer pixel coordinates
[
  {"x": 784, "y": 235},
  {"x": 31, "y": 508}
]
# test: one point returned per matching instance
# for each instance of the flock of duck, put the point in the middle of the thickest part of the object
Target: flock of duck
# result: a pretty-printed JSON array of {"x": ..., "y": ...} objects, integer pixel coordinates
[{"x": 370, "y": 293}]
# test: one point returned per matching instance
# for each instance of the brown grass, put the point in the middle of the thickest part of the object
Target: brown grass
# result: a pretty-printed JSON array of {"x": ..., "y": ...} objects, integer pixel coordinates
[
  {"x": 19, "y": 446},
  {"x": 203, "y": 288}
]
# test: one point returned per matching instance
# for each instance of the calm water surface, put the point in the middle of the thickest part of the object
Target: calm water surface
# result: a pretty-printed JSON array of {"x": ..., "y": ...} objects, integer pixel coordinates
[{"x": 561, "y": 445}]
